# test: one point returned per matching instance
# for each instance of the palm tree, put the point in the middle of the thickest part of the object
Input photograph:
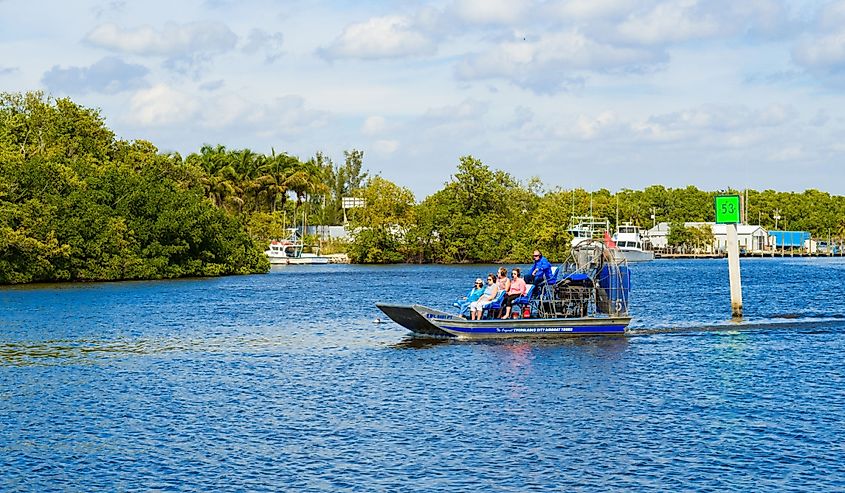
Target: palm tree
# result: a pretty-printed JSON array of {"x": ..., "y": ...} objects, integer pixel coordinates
[
  {"x": 270, "y": 182},
  {"x": 222, "y": 181},
  {"x": 304, "y": 178},
  {"x": 219, "y": 189}
]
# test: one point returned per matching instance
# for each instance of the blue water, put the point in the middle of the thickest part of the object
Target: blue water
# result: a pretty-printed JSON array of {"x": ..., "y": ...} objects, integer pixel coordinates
[{"x": 281, "y": 382}]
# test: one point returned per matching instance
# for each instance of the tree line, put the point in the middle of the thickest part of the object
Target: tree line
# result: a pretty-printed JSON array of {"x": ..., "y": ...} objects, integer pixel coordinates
[
  {"x": 484, "y": 215},
  {"x": 79, "y": 204}
]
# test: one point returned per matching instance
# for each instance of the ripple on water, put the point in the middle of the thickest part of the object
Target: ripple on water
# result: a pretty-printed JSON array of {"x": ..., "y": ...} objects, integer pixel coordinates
[{"x": 245, "y": 384}]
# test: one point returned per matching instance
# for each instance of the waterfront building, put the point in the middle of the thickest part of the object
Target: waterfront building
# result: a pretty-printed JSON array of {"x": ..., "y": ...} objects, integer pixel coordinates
[
  {"x": 751, "y": 238},
  {"x": 792, "y": 240},
  {"x": 328, "y": 233}
]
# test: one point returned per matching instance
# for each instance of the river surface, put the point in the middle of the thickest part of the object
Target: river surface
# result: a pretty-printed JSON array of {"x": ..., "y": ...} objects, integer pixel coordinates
[{"x": 282, "y": 382}]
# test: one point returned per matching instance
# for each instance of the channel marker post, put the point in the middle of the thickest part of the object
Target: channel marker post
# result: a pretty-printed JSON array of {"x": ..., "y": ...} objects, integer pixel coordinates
[{"x": 727, "y": 213}]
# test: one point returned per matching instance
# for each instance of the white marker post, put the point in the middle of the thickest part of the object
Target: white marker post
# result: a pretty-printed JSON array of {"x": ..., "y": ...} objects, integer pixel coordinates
[{"x": 727, "y": 213}]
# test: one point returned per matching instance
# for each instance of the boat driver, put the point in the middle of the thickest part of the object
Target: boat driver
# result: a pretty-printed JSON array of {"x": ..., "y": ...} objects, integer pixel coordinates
[{"x": 541, "y": 271}]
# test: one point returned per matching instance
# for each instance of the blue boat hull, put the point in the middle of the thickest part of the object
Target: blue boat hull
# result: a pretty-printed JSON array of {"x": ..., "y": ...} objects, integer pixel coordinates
[{"x": 427, "y": 321}]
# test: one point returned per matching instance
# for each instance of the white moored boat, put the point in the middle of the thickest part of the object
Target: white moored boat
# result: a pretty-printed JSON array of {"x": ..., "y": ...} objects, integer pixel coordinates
[
  {"x": 290, "y": 252},
  {"x": 629, "y": 242},
  {"x": 585, "y": 228}
]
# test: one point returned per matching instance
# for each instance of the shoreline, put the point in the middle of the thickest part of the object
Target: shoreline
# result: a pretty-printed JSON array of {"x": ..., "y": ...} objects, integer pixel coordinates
[{"x": 690, "y": 256}]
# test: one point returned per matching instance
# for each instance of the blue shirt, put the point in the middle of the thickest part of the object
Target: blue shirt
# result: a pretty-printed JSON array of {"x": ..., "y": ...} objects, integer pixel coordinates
[
  {"x": 541, "y": 269},
  {"x": 475, "y": 294}
]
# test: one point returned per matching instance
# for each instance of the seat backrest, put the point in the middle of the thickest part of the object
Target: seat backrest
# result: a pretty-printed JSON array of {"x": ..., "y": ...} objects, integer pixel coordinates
[
  {"x": 497, "y": 301},
  {"x": 529, "y": 291},
  {"x": 555, "y": 269}
]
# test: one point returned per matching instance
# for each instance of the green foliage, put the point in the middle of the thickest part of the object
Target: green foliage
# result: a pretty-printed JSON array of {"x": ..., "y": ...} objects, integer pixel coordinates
[
  {"x": 341, "y": 181},
  {"x": 76, "y": 204},
  {"x": 385, "y": 205},
  {"x": 382, "y": 224},
  {"x": 548, "y": 230},
  {"x": 470, "y": 217},
  {"x": 679, "y": 234},
  {"x": 483, "y": 215},
  {"x": 702, "y": 236},
  {"x": 375, "y": 246}
]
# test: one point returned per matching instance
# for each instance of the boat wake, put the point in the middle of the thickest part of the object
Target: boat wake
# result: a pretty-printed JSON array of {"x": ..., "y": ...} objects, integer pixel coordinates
[
  {"x": 799, "y": 322},
  {"x": 811, "y": 316}
]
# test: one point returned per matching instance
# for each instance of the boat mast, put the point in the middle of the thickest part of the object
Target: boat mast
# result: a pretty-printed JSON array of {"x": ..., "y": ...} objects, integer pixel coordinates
[{"x": 617, "y": 212}]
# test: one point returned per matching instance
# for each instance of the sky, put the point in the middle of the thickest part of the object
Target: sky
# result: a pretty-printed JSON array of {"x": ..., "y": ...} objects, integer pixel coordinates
[{"x": 595, "y": 94}]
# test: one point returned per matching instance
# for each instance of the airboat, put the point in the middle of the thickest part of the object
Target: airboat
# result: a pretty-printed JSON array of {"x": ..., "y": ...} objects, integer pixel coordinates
[{"x": 587, "y": 295}]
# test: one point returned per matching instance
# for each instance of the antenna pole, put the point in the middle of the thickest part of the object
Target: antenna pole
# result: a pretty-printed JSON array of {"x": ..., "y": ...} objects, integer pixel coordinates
[{"x": 617, "y": 212}]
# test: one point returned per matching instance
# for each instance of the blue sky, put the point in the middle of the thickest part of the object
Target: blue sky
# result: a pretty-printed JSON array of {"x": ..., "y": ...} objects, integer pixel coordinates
[{"x": 581, "y": 93}]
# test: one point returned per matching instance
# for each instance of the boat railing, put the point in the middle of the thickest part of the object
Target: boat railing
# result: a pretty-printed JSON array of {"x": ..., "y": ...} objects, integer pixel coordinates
[{"x": 593, "y": 282}]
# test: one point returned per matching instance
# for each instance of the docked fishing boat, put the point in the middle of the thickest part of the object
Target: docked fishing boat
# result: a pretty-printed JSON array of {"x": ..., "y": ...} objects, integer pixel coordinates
[
  {"x": 629, "y": 242},
  {"x": 587, "y": 296},
  {"x": 584, "y": 228},
  {"x": 626, "y": 242},
  {"x": 290, "y": 252}
]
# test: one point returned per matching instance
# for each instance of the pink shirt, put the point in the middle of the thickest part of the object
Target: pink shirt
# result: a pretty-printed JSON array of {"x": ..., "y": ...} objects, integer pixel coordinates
[
  {"x": 518, "y": 286},
  {"x": 503, "y": 283}
]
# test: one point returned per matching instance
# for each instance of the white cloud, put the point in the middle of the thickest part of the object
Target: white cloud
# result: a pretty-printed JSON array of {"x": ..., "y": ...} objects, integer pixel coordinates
[
  {"x": 774, "y": 115},
  {"x": 109, "y": 75},
  {"x": 162, "y": 105},
  {"x": 286, "y": 115},
  {"x": 468, "y": 109},
  {"x": 720, "y": 126},
  {"x": 554, "y": 62},
  {"x": 491, "y": 11},
  {"x": 268, "y": 43},
  {"x": 670, "y": 22},
  {"x": 831, "y": 16},
  {"x": 172, "y": 40},
  {"x": 820, "y": 119},
  {"x": 645, "y": 83},
  {"x": 212, "y": 85},
  {"x": 591, "y": 128},
  {"x": 109, "y": 8},
  {"x": 522, "y": 116},
  {"x": 226, "y": 112},
  {"x": 589, "y": 9},
  {"x": 380, "y": 37},
  {"x": 373, "y": 125},
  {"x": 606, "y": 125},
  {"x": 821, "y": 51},
  {"x": 825, "y": 53},
  {"x": 720, "y": 118},
  {"x": 713, "y": 119},
  {"x": 790, "y": 153},
  {"x": 385, "y": 147}
]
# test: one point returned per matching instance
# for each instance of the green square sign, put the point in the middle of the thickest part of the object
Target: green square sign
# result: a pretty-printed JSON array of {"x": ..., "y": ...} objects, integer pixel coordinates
[{"x": 727, "y": 209}]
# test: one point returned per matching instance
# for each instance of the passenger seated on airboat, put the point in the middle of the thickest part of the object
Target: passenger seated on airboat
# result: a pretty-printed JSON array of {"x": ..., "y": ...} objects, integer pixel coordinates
[
  {"x": 522, "y": 305},
  {"x": 491, "y": 293},
  {"x": 462, "y": 303},
  {"x": 516, "y": 289}
]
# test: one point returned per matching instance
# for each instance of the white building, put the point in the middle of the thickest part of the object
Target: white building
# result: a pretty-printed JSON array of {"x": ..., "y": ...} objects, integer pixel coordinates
[
  {"x": 750, "y": 237},
  {"x": 326, "y": 233},
  {"x": 656, "y": 236}
]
